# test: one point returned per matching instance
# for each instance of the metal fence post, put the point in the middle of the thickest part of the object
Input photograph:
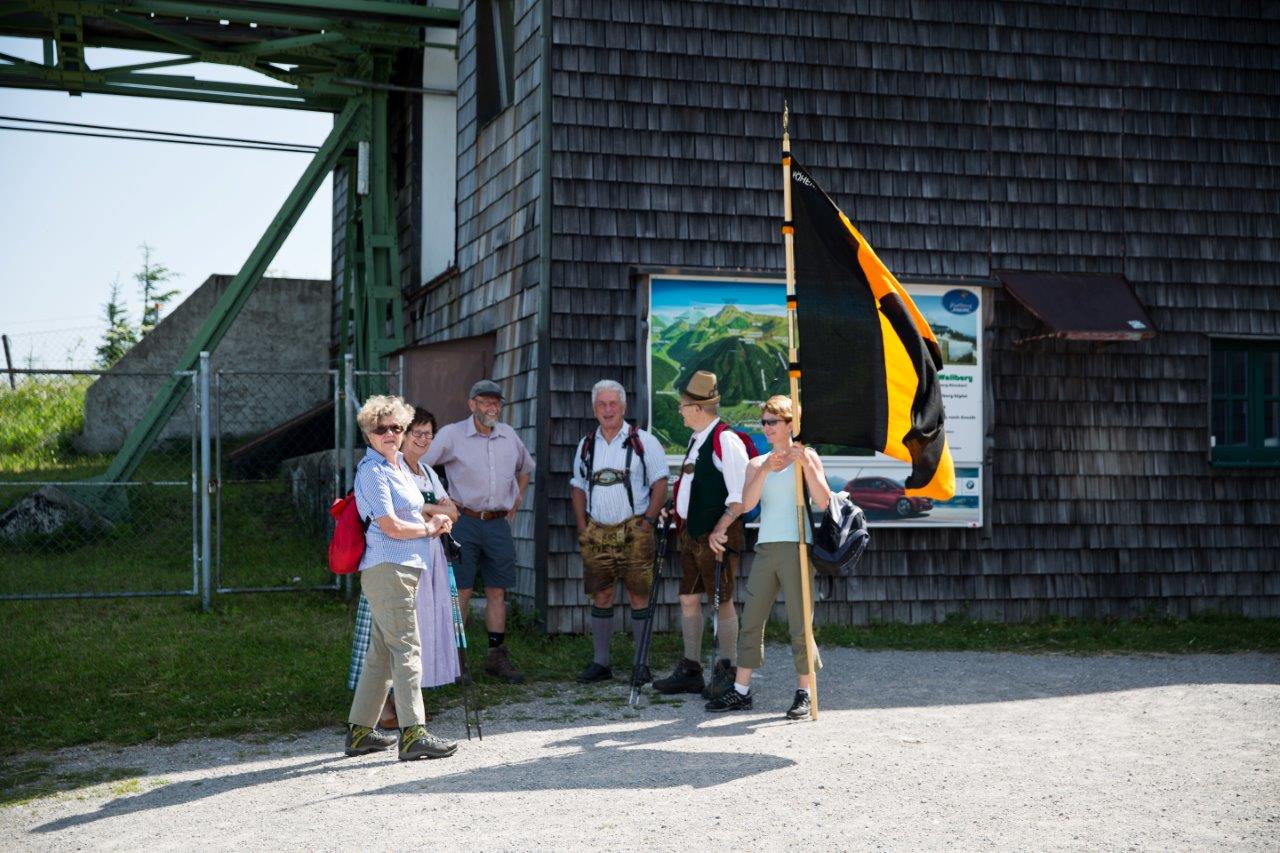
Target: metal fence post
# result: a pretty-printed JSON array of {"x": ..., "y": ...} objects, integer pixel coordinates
[
  {"x": 205, "y": 514},
  {"x": 348, "y": 438}
]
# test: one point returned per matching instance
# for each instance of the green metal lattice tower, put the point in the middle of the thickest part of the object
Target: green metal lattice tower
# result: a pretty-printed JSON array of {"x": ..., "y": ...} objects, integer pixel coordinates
[{"x": 333, "y": 56}]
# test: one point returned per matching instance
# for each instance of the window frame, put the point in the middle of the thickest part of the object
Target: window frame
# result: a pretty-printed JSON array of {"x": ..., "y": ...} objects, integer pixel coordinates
[
  {"x": 1253, "y": 454},
  {"x": 495, "y": 59}
]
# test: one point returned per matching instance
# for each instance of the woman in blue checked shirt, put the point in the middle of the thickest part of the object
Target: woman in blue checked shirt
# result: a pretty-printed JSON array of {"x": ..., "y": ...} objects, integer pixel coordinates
[
  {"x": 400, "y": 543},
  {"x": 435, "y": 605}
]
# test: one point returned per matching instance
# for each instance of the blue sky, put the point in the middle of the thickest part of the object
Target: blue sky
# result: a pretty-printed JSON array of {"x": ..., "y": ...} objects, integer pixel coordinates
[
  {"x": 77, "y": 209},
  {"x": 670, "y": 297}
]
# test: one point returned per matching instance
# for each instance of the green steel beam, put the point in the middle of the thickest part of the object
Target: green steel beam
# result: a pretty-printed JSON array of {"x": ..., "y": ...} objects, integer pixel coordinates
[
  {"x": 149, "y": 427},
  {"x": 147, "y": 66},
  {"x": 96, "y": 83},
  {"x": 188, "y": 44}
]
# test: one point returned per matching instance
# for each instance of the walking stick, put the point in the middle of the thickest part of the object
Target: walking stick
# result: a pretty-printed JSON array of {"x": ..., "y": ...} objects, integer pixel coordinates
[
  {"x": 715, "y": 609},
  {"x": 655, "y": 586},
  {"x": 460, "y": 640}
]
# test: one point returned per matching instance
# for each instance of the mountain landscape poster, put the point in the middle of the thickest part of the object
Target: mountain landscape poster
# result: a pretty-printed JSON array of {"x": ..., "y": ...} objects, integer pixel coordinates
[{"x": 737, "y": 329}]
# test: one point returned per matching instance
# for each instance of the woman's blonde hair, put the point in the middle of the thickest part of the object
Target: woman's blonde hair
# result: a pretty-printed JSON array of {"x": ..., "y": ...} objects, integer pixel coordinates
[
  {"x": 780, "y": 405},
  {"x": 380, "y": 406}
]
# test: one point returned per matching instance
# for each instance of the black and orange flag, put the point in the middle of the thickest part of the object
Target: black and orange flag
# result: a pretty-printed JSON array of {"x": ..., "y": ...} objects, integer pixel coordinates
[{"x": 870, "y": 359}]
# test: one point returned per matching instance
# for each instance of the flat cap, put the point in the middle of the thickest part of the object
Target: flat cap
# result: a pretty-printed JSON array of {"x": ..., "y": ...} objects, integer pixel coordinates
[{"x": 486, "y": 388}]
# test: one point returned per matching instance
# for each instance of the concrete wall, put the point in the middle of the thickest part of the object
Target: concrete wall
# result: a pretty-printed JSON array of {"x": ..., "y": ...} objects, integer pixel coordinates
[{"x": 283, "y": 326}]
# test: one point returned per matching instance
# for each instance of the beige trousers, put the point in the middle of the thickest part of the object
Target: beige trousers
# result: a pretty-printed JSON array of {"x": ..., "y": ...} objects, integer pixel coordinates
[
  {"x": 395, "y": 648},
  {"x": 776, "y": 565}
]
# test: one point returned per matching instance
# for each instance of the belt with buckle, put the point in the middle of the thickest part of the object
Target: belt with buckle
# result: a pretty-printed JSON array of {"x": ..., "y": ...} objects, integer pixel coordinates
[
  {"x": 608, "y": 477},
  {"x": 484, "y": 514}
]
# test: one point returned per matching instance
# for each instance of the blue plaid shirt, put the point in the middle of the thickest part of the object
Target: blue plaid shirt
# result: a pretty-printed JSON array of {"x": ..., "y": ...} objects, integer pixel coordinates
[{"x": 385, "y": 490}]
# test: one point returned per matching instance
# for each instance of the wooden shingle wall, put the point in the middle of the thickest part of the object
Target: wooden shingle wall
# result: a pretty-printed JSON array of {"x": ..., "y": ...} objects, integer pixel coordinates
[
  {"x": 1115, "y": 136},
  {"x": 495, "y": 290}
]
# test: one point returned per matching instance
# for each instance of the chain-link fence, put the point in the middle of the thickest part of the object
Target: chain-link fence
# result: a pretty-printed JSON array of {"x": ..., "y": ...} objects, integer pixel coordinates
[
  {"x": 66, "y": 530},
  {"x": 277, "y": 470},
  {"x": 231, "y": 494}
]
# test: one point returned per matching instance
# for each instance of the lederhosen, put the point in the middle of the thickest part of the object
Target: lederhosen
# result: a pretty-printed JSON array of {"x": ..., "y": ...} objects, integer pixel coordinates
[
  {"x": 706, "y": 505},
  {"x": 613, "y": 552}
]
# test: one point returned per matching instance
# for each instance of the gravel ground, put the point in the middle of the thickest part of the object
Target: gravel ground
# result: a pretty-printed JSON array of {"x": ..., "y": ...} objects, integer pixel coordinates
[{"x": 913, "y": 750}]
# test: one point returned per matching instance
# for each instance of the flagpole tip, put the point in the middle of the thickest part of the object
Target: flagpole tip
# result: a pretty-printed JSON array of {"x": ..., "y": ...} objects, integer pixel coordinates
[{"x": 786, "y": 114}]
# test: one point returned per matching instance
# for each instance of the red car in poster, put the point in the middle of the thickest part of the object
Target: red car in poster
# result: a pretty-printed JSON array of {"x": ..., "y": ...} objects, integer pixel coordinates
[{"x": 881, "y": 495}]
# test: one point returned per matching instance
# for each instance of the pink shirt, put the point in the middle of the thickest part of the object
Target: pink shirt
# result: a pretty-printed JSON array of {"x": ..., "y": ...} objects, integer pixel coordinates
[{"x": 482, "y": 469}]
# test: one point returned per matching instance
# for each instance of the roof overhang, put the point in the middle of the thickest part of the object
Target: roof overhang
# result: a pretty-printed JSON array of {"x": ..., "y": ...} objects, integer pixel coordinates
[{"x": 1080, "y": 307}]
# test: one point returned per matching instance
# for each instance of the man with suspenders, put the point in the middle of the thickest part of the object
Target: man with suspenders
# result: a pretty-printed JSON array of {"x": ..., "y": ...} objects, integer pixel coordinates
[{"x": 619, "y": 486}]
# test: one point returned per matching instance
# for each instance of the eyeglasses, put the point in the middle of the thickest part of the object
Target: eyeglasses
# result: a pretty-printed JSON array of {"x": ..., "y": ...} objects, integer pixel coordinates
[
  {"x": 421, "y": 434},
  {"x": 772, "y": 422},
  {"x": 386, "y": 428}
]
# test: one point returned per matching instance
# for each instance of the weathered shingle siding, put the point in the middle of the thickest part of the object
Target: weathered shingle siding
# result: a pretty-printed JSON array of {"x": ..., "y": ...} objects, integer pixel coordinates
[
  {"x": 496, "y": 288},
  {"x": 1139, "y": 137}
]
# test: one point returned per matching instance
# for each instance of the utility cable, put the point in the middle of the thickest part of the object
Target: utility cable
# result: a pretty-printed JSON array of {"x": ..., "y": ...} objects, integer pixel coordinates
[
  {"x": 158, "y": 139},
  {"x": 298, "y": 146}
]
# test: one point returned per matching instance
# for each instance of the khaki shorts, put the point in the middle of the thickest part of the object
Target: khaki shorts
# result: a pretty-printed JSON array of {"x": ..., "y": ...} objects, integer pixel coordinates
[
  {"x": 617, "y": 552},
  {"x": 698, "y": 564}
]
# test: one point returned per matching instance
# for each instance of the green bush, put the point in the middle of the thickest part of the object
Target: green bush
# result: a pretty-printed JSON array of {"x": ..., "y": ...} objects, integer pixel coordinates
[{"x": 38, "y": 419}]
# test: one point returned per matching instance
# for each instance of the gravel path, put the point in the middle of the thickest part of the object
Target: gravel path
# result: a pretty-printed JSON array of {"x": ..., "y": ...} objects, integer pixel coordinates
[{"x": 913, "y": 751}]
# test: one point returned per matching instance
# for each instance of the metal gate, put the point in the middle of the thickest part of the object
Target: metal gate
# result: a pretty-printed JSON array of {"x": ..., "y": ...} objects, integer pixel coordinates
[{"x": 275, "y": 471}]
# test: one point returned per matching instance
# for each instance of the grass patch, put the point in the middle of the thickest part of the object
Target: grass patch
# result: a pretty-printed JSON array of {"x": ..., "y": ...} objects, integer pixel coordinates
[
  {"x": 32, "y": 780},
  {"x": 135, "y": 670},
  {"x": 39, "y": 418}
]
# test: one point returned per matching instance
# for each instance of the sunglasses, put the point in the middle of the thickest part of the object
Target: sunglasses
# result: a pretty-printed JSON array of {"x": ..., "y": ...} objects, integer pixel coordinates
[
  {"x": 386, "y": 428},
  {"x": 772, "y": 422}
]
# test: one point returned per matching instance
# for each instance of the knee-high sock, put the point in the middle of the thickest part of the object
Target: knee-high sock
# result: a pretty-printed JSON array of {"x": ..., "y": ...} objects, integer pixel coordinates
[
  {"x": 639, "y": 615},
  {"x": 601, "y": 633},
  {"x": 691, "y": 627},
  {"x": 727, "y": 634}
]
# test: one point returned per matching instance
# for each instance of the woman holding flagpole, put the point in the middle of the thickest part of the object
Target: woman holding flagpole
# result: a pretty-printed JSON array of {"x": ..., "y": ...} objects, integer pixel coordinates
[{"x": 771, "y": 483}]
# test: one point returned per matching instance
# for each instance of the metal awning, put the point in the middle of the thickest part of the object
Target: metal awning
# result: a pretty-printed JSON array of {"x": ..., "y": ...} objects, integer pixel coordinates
[{"x": 1080, "y": 307}]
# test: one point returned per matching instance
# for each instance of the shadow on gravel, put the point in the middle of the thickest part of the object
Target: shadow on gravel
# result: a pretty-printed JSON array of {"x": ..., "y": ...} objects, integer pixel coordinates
[
  {"x": 882, "y": 680},
  {"x": 182, "y": 793},
  {"x": 610, "y": 759}
]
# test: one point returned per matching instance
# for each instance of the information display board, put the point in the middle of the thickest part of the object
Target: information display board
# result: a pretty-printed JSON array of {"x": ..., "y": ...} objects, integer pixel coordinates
[{"x": 737, "y": 329}]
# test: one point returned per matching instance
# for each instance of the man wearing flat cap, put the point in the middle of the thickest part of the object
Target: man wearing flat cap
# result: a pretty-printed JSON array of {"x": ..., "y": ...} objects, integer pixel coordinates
[
  {"x": 489, "y": 469},
  {"x": 708, "y": 505}
]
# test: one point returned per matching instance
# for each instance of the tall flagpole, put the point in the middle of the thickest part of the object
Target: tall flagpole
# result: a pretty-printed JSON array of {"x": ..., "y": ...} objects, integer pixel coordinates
[{"x": 793, "y": 371}]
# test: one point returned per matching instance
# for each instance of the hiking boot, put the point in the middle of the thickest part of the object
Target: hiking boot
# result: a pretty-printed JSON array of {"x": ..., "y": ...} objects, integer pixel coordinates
[
  {"x": 640, "y": 675},
  {"x": 685, "y": 678},
  {"x": 416, "y": 742},
  {"x": 498, "y": 664},
  {"x": 595, "y": 672},
  {"x": 362, "y": 740},
  {"x": 731, "y": 701},
  {"x": 799, "y": 709},
  {"x": 721, "y": 680}
]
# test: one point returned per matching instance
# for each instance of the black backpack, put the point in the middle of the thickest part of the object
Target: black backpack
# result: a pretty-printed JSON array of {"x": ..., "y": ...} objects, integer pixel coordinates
[{"x": 837, "y": 548}]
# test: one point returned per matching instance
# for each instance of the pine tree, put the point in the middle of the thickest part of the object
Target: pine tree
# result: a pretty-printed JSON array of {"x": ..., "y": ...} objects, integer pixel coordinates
[
  {"x": 150, "y": 278},
  {"x": 120, "y": 335}
]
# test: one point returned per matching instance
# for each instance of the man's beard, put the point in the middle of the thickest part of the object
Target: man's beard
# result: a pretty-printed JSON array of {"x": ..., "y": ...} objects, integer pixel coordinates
[{"x": 487, "y": 421}]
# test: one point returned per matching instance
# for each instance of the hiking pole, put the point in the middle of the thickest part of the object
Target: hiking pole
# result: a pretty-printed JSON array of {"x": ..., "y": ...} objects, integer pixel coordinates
[
  {"x": 460, "y": 640},
  {"x": 655, "y": 587},
  {"x": 715, "y": 609}
]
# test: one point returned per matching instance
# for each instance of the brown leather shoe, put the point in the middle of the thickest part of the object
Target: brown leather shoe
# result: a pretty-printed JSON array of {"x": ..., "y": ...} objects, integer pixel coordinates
[{"x": 498, "y": 664}]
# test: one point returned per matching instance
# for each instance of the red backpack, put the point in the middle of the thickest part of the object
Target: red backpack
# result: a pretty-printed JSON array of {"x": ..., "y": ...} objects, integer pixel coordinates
[{"x": 347, "y": 545}]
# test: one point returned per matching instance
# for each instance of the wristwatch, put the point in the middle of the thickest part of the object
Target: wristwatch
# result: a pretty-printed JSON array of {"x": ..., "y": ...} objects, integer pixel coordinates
[{"x": 651, "y": 522}]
